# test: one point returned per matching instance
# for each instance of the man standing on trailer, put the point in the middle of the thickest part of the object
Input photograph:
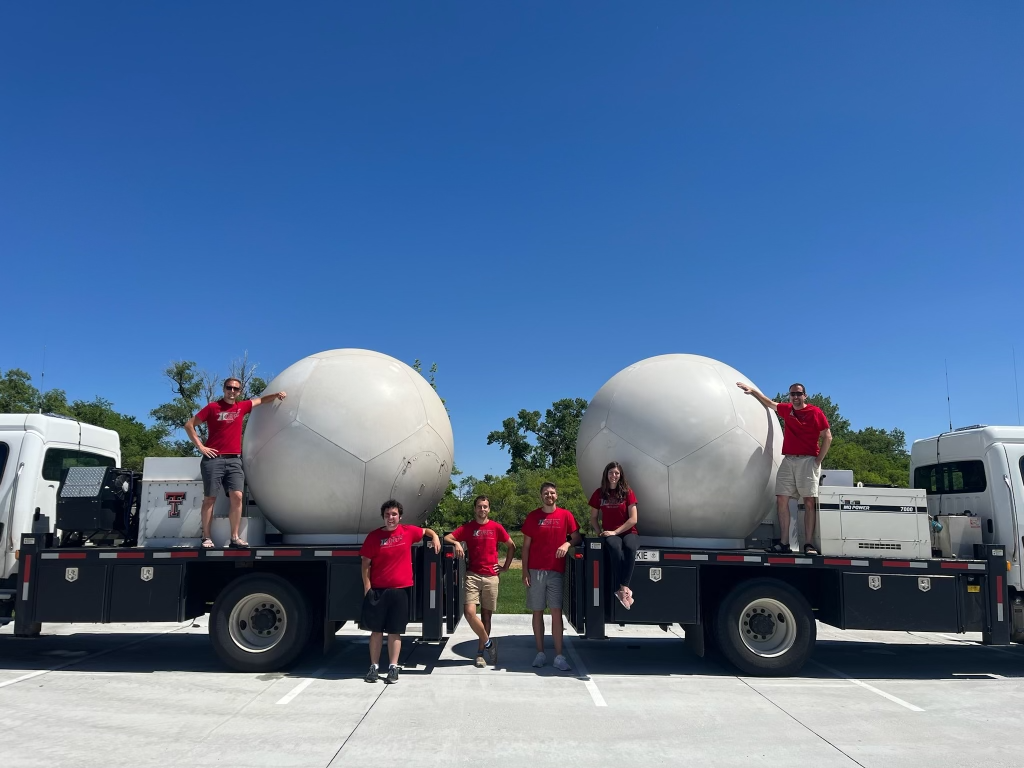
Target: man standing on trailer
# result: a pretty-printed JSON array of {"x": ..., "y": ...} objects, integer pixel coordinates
[
  {"x": 548, "y": 532},
  {"x": 387, "y": 576},
  {"x": 805, "y": 442},
  {"x": 482, "y": 537},
  {"x": 221, "y": 465}
]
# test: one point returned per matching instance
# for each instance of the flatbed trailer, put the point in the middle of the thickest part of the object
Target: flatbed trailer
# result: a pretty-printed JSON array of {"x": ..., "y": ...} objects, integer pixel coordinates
[
  {"x": 759, "y": 609},
  {"x": 266, "y": 604}
]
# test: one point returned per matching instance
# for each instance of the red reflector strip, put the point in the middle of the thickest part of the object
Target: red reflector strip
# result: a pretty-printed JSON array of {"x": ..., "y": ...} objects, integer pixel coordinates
[
  {"x": 130, "y": 555},
  {"x": 837, "y": 561},
  {"x": 789, "y": 560},
  {"x": 71, "y": 556},
  {"x": 579, "y": 556},
  {"x": 433, "y": 575},
  {"x": 955, "y": 566},
  {"x": 346, "y": 553},
  {"x": 237, "y": 553},
  {"x": 896, "y": 563},
  {"x": 287, "y": 552},
  {"x": 729, "y": 558},
  {"x": 184, "y": 554},
  {"x": 597, "y": 578},
  {"x": 27, "y": 570},
  {"x": 676, "y": 556},
  {"x": 999, "y": 592}
]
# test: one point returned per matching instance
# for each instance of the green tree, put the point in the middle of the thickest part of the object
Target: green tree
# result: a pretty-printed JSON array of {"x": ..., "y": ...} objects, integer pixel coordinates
[
  {"x": 514, "y": 437},
  {"x": 137, "y": 439},
  {"x": 17, "y": 395},
  {"x": 556, "y": 435}
]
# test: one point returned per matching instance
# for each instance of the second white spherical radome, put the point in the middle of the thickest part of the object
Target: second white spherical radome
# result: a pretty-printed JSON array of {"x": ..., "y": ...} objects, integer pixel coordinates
[
  {"x": 699, "y": 453},
  {"x": 357, "y": 428}
]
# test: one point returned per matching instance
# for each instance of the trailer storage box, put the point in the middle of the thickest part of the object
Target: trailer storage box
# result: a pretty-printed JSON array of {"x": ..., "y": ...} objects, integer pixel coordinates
[{"x": 873, "y": 522}]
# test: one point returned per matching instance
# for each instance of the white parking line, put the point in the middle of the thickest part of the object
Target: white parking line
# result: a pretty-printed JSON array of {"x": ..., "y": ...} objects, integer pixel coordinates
[
  {"x": 581, "y": 669},
  {"x": 862, "y": 684},
  {"x": 301, "y": 686}
]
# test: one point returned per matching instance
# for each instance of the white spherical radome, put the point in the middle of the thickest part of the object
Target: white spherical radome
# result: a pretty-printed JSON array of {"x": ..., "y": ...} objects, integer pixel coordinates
[
  {"x": 356, "y": 428},
  {"x": 700, "y": 454}
]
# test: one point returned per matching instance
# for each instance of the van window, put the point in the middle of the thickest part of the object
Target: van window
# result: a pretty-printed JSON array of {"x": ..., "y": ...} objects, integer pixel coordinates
[
  {"x": 5, "y": 449},
  {"x": 59, "y": 459},
  {"x": 952, "y": 477}
]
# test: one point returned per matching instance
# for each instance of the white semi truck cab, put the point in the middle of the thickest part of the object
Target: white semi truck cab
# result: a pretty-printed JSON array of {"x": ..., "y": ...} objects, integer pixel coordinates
[{"x": 34, "y": 450}]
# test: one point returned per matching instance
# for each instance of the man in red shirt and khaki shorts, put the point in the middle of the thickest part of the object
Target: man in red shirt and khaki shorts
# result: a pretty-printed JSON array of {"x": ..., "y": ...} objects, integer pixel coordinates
[
  {"x": 221, "y": 466},
  {"x": 805, "y": 442},
  {"x": 482, "y": 536}
]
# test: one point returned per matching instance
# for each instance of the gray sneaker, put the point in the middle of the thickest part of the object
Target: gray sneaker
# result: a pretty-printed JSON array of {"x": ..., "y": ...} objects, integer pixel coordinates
[
  {"x": 561, "y": 664},
  {"x": 479, "y": 662},
  {"x": 392, "y": 675},
  {"x": 372, "y": 676},
  {"x": 492, "y": 652}
]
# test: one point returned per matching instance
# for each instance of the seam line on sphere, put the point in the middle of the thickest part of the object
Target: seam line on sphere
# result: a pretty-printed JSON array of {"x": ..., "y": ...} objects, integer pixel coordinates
[
  {"x": 709, "y": 442},
  {"x": 801, "y": 724},
  {"x": 327, "y": 439}
]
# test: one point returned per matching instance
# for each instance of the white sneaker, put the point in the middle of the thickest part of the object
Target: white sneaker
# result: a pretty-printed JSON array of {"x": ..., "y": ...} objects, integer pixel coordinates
[
  {"x": 540, "y": 659},
  {"x": 561, "y": 664}
]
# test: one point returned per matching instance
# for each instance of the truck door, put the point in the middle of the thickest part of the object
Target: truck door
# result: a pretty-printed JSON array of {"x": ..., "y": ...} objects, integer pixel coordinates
[
  {"x": 10, "y": 449},
  {"x": 1011, "y": 487}
]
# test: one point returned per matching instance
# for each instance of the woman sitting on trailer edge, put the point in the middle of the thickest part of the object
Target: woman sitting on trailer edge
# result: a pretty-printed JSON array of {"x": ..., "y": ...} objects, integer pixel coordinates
[{"x": 615, "y": 503}]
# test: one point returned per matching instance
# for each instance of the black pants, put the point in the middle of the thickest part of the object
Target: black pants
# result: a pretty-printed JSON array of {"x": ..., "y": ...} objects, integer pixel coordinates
[{"x": 622, "y": 557}]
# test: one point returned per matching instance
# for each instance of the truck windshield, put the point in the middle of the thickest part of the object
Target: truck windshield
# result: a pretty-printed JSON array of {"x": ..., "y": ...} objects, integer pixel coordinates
[{"x": 59, "y": 459}]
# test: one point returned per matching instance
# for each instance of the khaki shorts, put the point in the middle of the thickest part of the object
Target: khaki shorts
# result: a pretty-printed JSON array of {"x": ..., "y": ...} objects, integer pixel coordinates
[
  {"x": 798, "y": 477},
  {"x": 545, "y": 590},
  {"x": 481, "y": 590}
]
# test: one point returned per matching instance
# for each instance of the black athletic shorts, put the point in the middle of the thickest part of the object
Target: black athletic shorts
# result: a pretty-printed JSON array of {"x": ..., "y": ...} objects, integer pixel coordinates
[{"x": 385, "y": 610}]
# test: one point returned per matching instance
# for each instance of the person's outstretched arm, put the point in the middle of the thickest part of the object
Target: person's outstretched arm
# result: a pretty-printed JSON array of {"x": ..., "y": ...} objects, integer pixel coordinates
[{"x": 767, "y": 402}]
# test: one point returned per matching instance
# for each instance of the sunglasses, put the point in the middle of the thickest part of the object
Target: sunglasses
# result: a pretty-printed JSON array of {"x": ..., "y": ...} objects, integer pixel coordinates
[
  {"x": 798, "y": 394},
  {"x": 232, "y": 389}
]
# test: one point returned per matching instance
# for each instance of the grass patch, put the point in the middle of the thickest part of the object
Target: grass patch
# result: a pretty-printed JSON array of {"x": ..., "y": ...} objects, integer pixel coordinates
[{"x": 511, "y": 592}]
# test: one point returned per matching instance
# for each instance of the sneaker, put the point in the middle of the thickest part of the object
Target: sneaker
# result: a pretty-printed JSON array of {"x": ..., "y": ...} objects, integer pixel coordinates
[
  {"x": 372, "y": 676},
  {"x": 540, "y": 659},
  {"x": 561, "y": 664},
  {"x": 492, "y": 652},
  {"x": 392, "y": 675},
  {"x": 479, "y": 661}
]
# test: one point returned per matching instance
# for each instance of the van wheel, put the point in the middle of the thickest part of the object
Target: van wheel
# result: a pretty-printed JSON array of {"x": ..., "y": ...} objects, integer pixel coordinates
[
  {"x": 259, "y": 623},
  {"x": 765, "y": 627}
]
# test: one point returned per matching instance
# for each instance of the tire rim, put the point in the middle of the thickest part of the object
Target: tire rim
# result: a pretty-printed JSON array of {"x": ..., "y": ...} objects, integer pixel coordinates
[
  {"x": 257, "y": 622},
  {"x": 767, "y": 628}
]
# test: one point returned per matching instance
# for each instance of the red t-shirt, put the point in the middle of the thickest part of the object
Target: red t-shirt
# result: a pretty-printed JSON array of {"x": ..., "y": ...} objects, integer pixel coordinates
[
  {"x": 482, "y": 543},
  {"x": 390, "y": 554},
  {"x": 802, "y": 429},
  {"x": 225, "y": 424},
  {"x": 614, "y": 511},
  {"x": 548, "y": 533}
]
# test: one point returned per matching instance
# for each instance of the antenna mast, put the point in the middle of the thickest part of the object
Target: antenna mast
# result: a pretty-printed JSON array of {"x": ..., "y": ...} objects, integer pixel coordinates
[
  {"x": 1016, "y": 390},
  {"x": 949, "y": 411}
]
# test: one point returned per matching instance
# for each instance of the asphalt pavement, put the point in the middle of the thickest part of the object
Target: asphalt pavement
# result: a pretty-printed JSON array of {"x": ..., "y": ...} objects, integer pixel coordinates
[{"x": 155, "y": 695}]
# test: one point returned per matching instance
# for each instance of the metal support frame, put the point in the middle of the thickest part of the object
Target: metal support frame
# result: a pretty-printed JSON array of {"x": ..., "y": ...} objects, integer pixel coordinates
[
  {"x": 997, "y": 603},
  {"x": 24, "y": 615}
]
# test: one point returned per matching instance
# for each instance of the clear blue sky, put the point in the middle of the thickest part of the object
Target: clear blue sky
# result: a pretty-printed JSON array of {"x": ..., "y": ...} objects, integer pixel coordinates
[{"x": 532, "y": 194}]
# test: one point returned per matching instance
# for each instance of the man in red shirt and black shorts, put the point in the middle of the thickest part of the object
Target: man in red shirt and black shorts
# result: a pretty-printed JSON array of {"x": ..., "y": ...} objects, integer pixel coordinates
[
  {"x": 221, "y": 466},
  {"x": 387, "y": 577},
  {"x": 482, "y": 537},
  {"x": 805, "y": 442},
  {"x": 548, "y": 532}
]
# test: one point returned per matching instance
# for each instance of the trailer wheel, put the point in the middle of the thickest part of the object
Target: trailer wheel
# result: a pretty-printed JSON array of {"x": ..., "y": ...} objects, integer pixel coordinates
[
  {"x": 766, "y": 627},
  {"x": 259, "y": 623}
]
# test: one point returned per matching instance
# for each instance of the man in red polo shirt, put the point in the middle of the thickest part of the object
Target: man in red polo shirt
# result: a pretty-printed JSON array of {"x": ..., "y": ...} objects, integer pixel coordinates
[
  {"x": 387, "y": 576},
  {"x": 805, "y": 442},
  {"x": 548, "y": 532},
  {"x": 221, "y": 466},
  {"x": 482, "y": 536}
]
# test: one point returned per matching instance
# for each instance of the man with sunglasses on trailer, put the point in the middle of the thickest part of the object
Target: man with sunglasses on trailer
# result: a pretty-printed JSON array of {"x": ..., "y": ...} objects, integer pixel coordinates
[
  {"x": 805, "y": 442},
  {"x": 221, "y": 466}
]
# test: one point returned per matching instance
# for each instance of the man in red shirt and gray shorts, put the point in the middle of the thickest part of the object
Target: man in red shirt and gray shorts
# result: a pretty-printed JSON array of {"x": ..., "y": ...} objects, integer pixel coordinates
[
  {"x": 221, "y": 466},
  {"x": 482, "y": 537},
  {"x": 548, "y": 533},
  {"x": 805, "y": 442}
]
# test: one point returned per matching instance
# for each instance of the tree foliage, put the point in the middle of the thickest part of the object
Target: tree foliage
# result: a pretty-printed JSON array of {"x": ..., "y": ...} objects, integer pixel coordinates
[{"x": 553, "y": 442}]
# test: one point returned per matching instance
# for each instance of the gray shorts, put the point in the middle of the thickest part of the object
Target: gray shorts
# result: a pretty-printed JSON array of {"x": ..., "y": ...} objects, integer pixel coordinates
[
  {"x": 221, "y": 474},
  {"x": 545, "y": 590}
]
